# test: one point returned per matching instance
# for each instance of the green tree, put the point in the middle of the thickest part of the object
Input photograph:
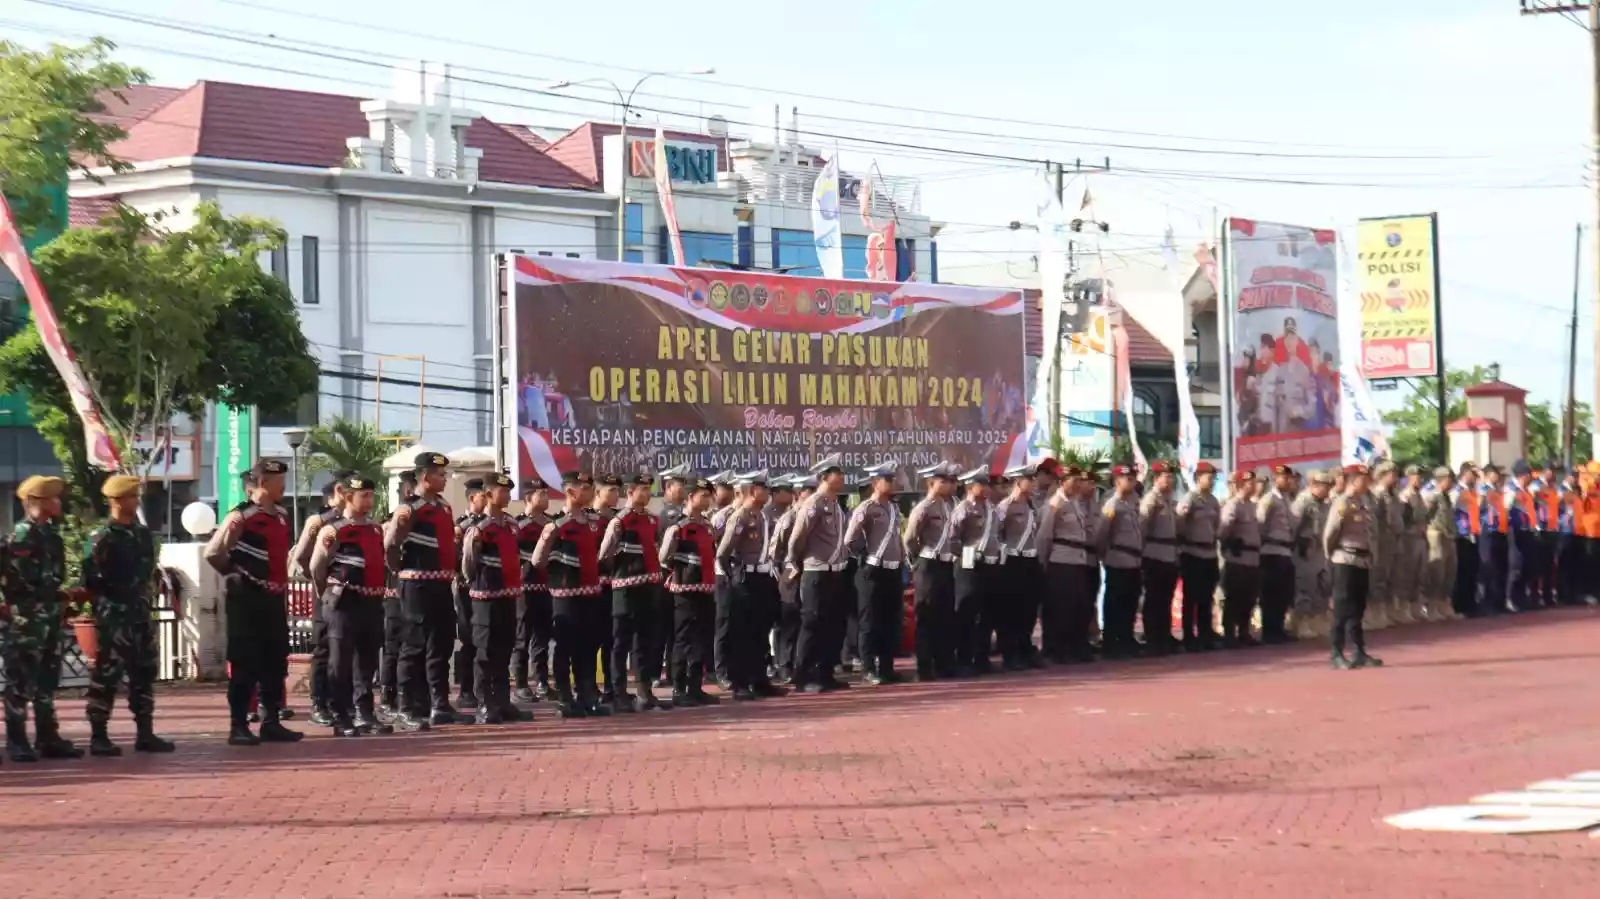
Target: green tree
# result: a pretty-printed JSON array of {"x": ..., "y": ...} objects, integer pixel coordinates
[
  {"x": 1414, "y": 434},
  {"x": 47, "y": 100},
  {"x": 1545, "y": 427},
  {"x": 162, "y": 322},
  {"x": 356, "y": 446}
]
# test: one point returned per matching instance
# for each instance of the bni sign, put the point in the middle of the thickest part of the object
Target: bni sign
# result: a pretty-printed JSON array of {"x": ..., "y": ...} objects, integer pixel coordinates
[{"x": 687, "y": 162}]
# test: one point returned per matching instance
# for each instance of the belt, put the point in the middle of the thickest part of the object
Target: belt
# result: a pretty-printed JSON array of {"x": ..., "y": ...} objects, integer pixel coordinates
[
  {"x": 498, "y": 593},
  {"x": 940, "y": 557},
  {"x": 1075, "y": 544},
  {"x": 1130, "y": 550},
  {"x": 1351, "y": 551},
  {"x": 887, "y": 564},
  {"x": 634, "y": 580},
  {"x": 563, "y": 592},
  {"x": 418, "y": 574},
  {"x": 358, "y": 588},
  {"x": 691, "y": 588},
  {"x": 758, "y": 568},
  {"x": 988, "y": 560},
  {"x": 1203, "y": 544},
  {"x": 269, "y": 586},
  {"x": 1027, "y": 553},
  {"x": 1164, "y": 541},
  {"x": 820, "y": 566},
  {"x": 1286, "y": 544}
]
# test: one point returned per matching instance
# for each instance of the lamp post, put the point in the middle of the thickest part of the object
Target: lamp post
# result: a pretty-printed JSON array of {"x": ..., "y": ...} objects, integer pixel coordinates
[
  {"x": 296, "y": 438},
  {"x": 625, "y": 100}
]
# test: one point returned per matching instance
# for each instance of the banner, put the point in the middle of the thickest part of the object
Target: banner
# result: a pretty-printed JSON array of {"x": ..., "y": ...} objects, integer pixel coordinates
[
  {"x": 1088, "y": 376},
  {"x": 756, "y": 370},
  {"x": 1159, "y": 306},
  {"x": 883, "y": 263},
  {"x": 1119, "y": 335},
  {"x": 1285, "y": 345},
  {"x": 1053, "y": 247},
  {"x": 669, "y": 209},
  {"x": 825, "y": 221},
  {"x": 97, "y": 443},
  {"x": 1399, "y": 313},
  {"x": 235, "y": 443},
  {"x": 1361, "y": 424}
]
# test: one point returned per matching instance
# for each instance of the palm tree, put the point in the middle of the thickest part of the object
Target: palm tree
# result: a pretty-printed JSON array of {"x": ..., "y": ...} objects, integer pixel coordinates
[{"x": 342, "y": 445}]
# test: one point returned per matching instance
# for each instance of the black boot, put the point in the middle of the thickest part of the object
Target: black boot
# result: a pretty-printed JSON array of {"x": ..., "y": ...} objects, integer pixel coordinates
[
  {"x": 18, "y": 749},
  {"x": 1339, "y": 661},
  {"x": 409, "y": 720},
  {"x": 100, "y": 745},
  {"x": 569, "y": 705},
  {"x": 523, "y": 694},
  {"x": 48, "y": 741},
  {"x": 1362, "y": 660},
  {"x": 444, "y": 713},
  {"x": 344, "y": 727},
  {"x": 467, "y": 699},
  {"x": 368, "y": 722},
  {"x": 645, "y": 699},
  {"x": 388, "y": 707},
  {"x": 147, "y": 741},
  {"x": 320, "y": 715},
  {"x": 595, "y": 704},
  {"x": 272, "y": 729},
  {"x": 239, "y": 734}
]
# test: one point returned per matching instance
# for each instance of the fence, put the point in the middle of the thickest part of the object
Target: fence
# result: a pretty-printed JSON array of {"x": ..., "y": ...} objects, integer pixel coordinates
[{"x": 173, "y": 658}]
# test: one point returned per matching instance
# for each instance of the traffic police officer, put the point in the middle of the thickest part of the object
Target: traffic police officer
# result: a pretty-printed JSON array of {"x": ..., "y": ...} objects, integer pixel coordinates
[
  {"x": 1158, "y": 521},
  {"x": 1021, "y": 578},
  {"x": 1064, "y": 545},
  {"x": 788, "y": 637},
  {"x": 347, "y": 570},
  {"x": 1347, "y": 539},
  {"x": 1277, "y": 554},
  {"x": 976, "y": 532},
  {"x": 1198, "y": 516},
  {"x": 873, "y": 535},
  {"x": 816, "y": 556},
  {"x": 929, "y": 548},
  {"x": 675, "y": 483},
  {"x": 741, "y": 553}
]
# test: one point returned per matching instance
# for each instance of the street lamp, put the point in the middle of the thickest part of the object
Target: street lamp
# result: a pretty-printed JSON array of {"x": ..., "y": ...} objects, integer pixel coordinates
[
  {"x": 626, "y": 102},
  {"x": 296, "y": 438}
]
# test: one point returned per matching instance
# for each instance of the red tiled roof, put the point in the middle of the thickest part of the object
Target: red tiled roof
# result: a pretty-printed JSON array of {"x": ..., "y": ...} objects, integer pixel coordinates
[
  {"x": 1496, "y": 388},
  {"x": 133, "y": 103},
  {"x": 580, "y": 148},
  {"x": 222, "y": 120},
  {"x": 1143, "y": 347},
  {"x": 86, "y": 212},
  {"x": 526, "y": 135}
]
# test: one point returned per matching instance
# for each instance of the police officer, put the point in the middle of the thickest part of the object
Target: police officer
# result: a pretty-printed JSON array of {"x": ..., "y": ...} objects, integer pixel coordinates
[
  {"x": 1090, "y": 501},
  {"x": 688, "y": 554},
  {"x": 420, "y": 540},
  {"x": 1020, "y": 580},
  {"x": 1438, "y": 582},
  {"x": 930, "y": 549},
  {"x": 1240, "y": 535},
  {"x": 816, "y": 556},
  {"x": 1308, "y": 515},
  {"x": 1568, "y": 545},
  {"x": 347, "y": 570},
  {"x": 1198, "y": 515},
  {"x": 251, "y": 551},
  {"x": 724, "y": 501},
  {"x": 1387, "y": 528},
  {"x": 1413, "y": 557},
  {"x": 491, "y": 565},
  {"x": 332, "y": 510},
  {"x": 393, "y": 618},
  {"x": 534, "y": 625},
  {"x": 1063, "y": 539},
  {"x": 1158, "y": 521},
  {"x": 1347, "y": 540},
  {"x": 631, "y": 550},
  {"x": 976, "y": 532},
  {"x": 1277, "y": 554},
  {"x": 873, "y": 536},
  {"x": 675, "y": 483},
  {"x": 1046, "y": 476},
  {"x": 850, "y": 653},
  {"x": 741, "y": 552},
  {"x": 466, "y": 651},
  {"x": 788, "y": 621},
  {"x": 1120, "y": 540},
  {"x": 569, "y": 551},
  {"x": 780, "y": 492},
  {"x": 1494, "y": 543},
  {"x": 32, "y": 651},
  {"x": 119, "y": 560},
  {"x": 1465, "y": 502},
  {"x": 1547, "y": 517},
  {"x": 607, "y": 495}
]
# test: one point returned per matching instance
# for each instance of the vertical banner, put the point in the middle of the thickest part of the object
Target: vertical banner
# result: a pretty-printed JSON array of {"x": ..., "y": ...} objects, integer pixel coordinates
[
  {"x": 669, "y": 209},
  {"x": 825, "y": 221},
  {"x": 1044, "y": 425},
  {"x": 96, "y": 439},
  {"x": 1119, "y": 335},
  {"x": 1361, "y": 424},
  {"x": 1161, "y": 310},
  {"x": 883, "y": 262},
  {"x": 1399, "y": 313},
  {"x": 235, "y": 443},
  {"x": 1284, "y": 352},
  {"x": 1088, "y": 377}
]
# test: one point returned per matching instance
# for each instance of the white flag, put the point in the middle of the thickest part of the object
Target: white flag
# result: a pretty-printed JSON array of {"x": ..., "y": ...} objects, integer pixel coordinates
[
  {"x": 1360, "y": 422},
  {"x": 825, "y": 221}
]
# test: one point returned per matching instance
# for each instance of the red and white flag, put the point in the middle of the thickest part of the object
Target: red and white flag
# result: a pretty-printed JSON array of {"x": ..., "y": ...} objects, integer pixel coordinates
[
  {"x": 96, "y": 439},
  {"x": 668, "y": 209},
  {"x": 883, "y": 262}
]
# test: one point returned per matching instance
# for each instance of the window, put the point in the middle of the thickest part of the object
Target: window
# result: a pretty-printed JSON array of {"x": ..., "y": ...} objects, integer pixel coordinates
[
  {"x": 1145, "y": 419},
  {"x": 747, "y": 244},
  {"x": 698, "y": 246},
  {"x": 304, "y": 414},
  {"x": 905, "y": 258},
  {"x": 572, "y": 256},
  {"x": 310, "y": 271},
  {"x": 280, "y": 264},
  {"x": 634, "y": 255},
  {"x": 546, "y": 253},
  {"x": 791, "y": 247},
  {"x": 1210, "y": 436},
  {"x": 633, "y": 231}
]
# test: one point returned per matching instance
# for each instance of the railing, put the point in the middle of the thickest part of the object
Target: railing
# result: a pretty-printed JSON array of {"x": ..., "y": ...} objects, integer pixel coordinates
[{"x": 173, "y": 658}]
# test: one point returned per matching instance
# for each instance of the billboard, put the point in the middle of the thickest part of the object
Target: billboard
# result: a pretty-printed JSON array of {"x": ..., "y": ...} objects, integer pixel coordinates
[
  {"x": 619, "y": 368},
  {"x": 1399, "y": 312},
  {"x": 1284, "y": 344}
]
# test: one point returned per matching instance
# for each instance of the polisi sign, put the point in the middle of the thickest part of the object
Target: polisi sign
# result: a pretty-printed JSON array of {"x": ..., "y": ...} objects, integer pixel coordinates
[{"x": 1546, "y": 806}]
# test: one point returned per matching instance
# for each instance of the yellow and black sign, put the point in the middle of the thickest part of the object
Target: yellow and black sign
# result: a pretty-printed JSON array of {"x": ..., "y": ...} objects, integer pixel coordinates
[{"x": 1396, "y": 260}]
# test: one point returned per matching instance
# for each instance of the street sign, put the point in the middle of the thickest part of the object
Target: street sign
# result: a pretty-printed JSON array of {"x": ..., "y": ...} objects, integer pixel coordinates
[{"x": 236, "y": 443}]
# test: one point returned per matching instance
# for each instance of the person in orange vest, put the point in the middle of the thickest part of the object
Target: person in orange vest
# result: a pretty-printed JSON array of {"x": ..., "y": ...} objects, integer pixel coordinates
[
  {"x": 1492, "y": 543},
  {"x": 1569, "y": 548},
  {"x": 1589, "y": 535},
  {"x": 1464, "y": 497},
  {"x": 1522, "y": 543}
]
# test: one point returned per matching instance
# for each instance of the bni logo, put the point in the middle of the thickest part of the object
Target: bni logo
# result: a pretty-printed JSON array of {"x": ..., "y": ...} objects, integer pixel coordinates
[{"x": 1546, "y": 806}]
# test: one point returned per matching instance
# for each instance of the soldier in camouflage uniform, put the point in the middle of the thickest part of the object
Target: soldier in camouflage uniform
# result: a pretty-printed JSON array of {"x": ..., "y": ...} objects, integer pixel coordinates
[
  {"x": 1406, "y": 577},
  {"x": 1313, "y": 587},
  {"x": 1385, "y": 525},
  {"x": 32, "y": 650},
  {"x": 1439, "y": 577},
  {"x": 119, "y": 563}
]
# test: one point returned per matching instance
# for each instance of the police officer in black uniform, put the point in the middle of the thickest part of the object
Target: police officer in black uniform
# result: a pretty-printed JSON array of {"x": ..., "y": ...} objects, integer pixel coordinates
[
  {"x": 347, "y": 569},
  {"x": 534, "y": 622},
  {"x": 466, "y": 653},
  {"x": 420, "y": 541},
  {"x": 675, "y": 483},
  {"x": 630, "y": 548},
  {"x": 491, "y": 564},
  {"x": 392, "y": 619},
  {"x": 332, "y": 510}
]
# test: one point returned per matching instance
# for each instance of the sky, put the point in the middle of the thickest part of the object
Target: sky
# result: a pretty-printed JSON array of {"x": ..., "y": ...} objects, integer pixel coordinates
[{"x": 1460, "y": 107}]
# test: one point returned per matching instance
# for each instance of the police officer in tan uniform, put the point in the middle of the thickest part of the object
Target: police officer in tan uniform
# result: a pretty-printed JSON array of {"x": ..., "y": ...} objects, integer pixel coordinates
[
  {"x": 977, "y": 573},
  {"x": 1413, "y": 545},
  {"x": 1022, "y": 576},
  {"x": 1198, "y": 515},
  {"x": 1386, "y": 527},
  {"x": 930, "y": 548},
  {"x": 873, "y": 536},
  {"x": 1158, "y": 520},
  {"x": 1120, "y": 540},
  {"x": 1239, "y": 532},
  {"x": 816, "y": 556},
  {"x": 741, "y": 553},
  {"x": 1277, "y": 554},
  {"x": 1309, "y": 514},
  {"x": 1347, "y": 539},
  {"x": 1065, "y": 532}
]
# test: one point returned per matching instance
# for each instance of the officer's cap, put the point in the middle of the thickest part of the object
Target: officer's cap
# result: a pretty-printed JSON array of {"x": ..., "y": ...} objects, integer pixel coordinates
[
  {"x": 1282, "y": 469},
  {"x": 409, "y": 478},
  {"x": 576, "y": 478},
  {"x": 356, "y": 482},
  {"x": 1356, "y": 469},
  {"x": 1048, "y": 465},
  {"x": 641, "y": 480},
  {"x": 979, "y": 475},
  {"x": 701, "y": 485},
  {"x": 804, "y": 481},
  {"x": 40, "y": 487},
  {"x": 754, "y": 478},
  {"x": 888, "y": 468},
  {"x": 828, "y": 465},
  {"x": 264, "y": 467},
  {"x": 117, "y": 486},
  {"x": 608, "y": 480},
  {"x": 1243, "y": 476},
  {"x": 1162, "y": 466},
  {"x": 936, "y": 470},
  {"x": 1384, "y": 468},
  {"x": 1318, "y": 476},
  {"x": 677, "y": 473},
  {"x": 497, "y": 480},
  {"x": 1123, "y": 471},
  {"x": 1443, "y": 471},
  {"x": 533, "y": 485},
  {"x": 339, "y": 477},
  {"x": 781, "y": 482},
  {"x": 1520, "y": 468},
  {"x": 474, "y": 486},
  {"x": 1413, "y": 469},
  {"x": 1201, "y": 468},
  {"x": 430, "y": 460},
  {"x": 1021, "y": 471}
]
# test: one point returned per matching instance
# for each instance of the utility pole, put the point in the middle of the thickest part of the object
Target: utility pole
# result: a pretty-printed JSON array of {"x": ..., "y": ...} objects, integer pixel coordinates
[
  {"x": 1058, "y": 174},
  {"x": 1569, "y": 424},
  {"x": 1573, "y": 11}
]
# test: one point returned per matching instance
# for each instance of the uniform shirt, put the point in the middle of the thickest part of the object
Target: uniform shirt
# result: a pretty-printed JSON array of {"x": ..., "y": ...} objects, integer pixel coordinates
[
  {"x": 1199, "y": 515},
  {"x": 778, "y": 545},
  {"x": 1088, "y": 508},
  {"x": 118, "y": 562},
  {"x": 928, "y": 530},
  {"x": 1387, "y": 522},
  {"x": 247, "y": 542},
  {"x": 1240, "y": 532},
  {"x": 817, "y": 543},
  {"x": 1308, "y": 515},
  {"x": 1121, "y": 539},
  {"x": 300, "y": 558},
  {"x": 772, "y": 516},
  {"x": 671, "y": 514},
  {"x": 976, "y": 532},
  {"x": 743, "y": 545},
  {"x": 1159, "y": 522},
  {"x": 1018, "y": 521},
  {"x": 1464, "y": 508},
  {"x": 1413, "y": 512},
  {"x": 1277, "y": 529},
  {"x": 1064, "y": 533},
  {"x": 719, "y": 518},
  {"x": 1439, "y": 514},
  {"x": 1521, "y": 509},
  {"x": 38, "y": 562},
  {"x": 1347, "y": 537},
  {"x": 1491, "y": 510},
  {"x": 1566, "y": 516},
  {"x": 411, "y": 550},
  {"x": 346, "y": 547},
  {"x": 874, "y": 533}
]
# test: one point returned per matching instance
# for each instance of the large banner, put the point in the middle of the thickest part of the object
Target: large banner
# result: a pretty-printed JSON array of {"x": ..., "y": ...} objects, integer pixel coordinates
[
  {"x": 1285, "y": 344},
  {"x": 1399, "y": 313},
  {"x": 620, "y": 368}
]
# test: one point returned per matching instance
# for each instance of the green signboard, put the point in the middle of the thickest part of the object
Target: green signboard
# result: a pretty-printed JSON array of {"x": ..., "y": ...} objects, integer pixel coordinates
[{"x": 236, "y": 452}]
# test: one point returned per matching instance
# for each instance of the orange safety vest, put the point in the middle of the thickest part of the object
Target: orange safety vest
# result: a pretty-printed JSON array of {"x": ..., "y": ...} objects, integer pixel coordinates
[
  {"x": 1496, "y": 499},
  {"x": 1470, "y": 496},
  {"x": 1552, "y": 509},
  {"x": 1526, "y": 502},
  {"x": 1589, "y": 519}
]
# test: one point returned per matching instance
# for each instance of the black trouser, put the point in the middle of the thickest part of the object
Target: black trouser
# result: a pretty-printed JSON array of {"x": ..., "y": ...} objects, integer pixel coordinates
[
  {"x": 466, "y": 652},
  {"x": 494, "y": 634},
  {"x": 750, "y": 597},
  {"x": 1463, "y": 596},
  {"x": 1241, "y": 584},
  {"x": 258, "y": 648},
  {"x": 821, "y": 618},
  {"x": 319, "y": 656},
  {"x": 1026, "y": 599},
  {"x": 997, "y": 614},
  {"x": 694, "y": 633},
  {"x": 427, "y": 638},
  {"x": 788, "y": 624},
  {"x": 848, "y": 636},
  {"x": 603, "y": 640},
  {"x": 1277, "y": 593},
  {"x": 1568, "y": 573},
  {"x": 128, "y": 648},
  {"x": 534, "y": 633},
  {"x": 661, "y": 645},
  {"x": 1199, "y": 592},
  {"x": 969, "y": 633},
  {"x": 1349, "y": 604},
  {"x": 1493, "y": 553},
  {"x": 880, "y": 609},
  {"x": 1160, "y": 581},
  {"x": 393, "y": 637},
  {"x": 724, "y": 625},
  {"x": 1123, "y": 586},
  {"x": 1522, "y": 564},
  {"x": 1071, "y": 609},
  {"x": 634, "y": 630},
  {"x": 580, "y": 624},
  {"x": 355, "y": 634},
  {"x": 933, "y": 592},
  {"x": 1590, "y": 585}
]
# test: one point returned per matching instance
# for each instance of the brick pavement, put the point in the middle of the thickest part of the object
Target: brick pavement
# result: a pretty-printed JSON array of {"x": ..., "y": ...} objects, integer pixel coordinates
[{"x": 1255, "y": 773}]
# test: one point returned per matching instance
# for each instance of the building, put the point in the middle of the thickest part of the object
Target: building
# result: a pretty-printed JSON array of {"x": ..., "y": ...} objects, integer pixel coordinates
[{"x": 1495, "y": 429}]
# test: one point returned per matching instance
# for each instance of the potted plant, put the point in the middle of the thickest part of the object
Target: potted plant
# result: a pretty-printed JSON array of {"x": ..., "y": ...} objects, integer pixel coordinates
[{"x": 80, "y": 614}]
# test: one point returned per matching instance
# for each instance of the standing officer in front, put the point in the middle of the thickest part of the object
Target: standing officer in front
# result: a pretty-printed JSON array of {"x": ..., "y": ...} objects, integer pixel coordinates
[
  {"x": 1120, "y": 541},
  {"x": 420, "y": 540},
  {"x": 741, "y": 553},
  {"x": 1347, "y": 539},
  {"x": 393, "y": 617},
  {"x": 1064, "y": 546},
  {"x": 569, "y": 551},
  {"x": 119, "y": 561},
  {"x": 534, "y": 624},
  {"x": 1277, "y": 554},
  {"x": 1522, "y": 544},
  {"x": 1239, "y": 532},
  {"x": 491, "y": 564},
  {"x": 816, "y": 556},
  {"x": 974, "y": 527},
  {"x": 788, "y": 629},
  {"x": 251, "y": 551},
  {"x": 347, "y": 570},
  {"x": 928, "y": 546},
  {"x": 1158, "y": 521},
  {"x": 333, "y": 509},
  {"x": 630, "y": 548},
  {"x": 1198, "y": 515},
  {"x": 873, "y": 535},
  {"x": 675, "y": 483},
  {"x": 1494, "y": 543}
]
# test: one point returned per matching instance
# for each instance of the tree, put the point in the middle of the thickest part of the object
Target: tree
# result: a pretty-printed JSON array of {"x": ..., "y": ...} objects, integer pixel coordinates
[
  {"x": 1545, "y": 427},
  {"x": 342, "y": 445},
  {"x": 46, "y": 130},
  {"x": 162, "y": 322},
  {"x": 1415, "y": 426}
]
